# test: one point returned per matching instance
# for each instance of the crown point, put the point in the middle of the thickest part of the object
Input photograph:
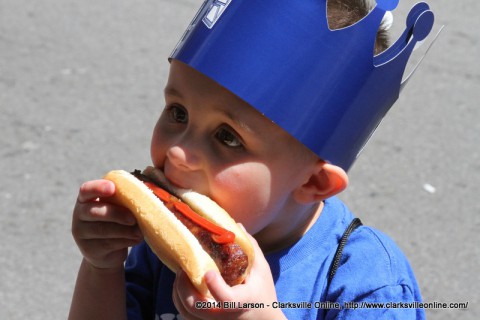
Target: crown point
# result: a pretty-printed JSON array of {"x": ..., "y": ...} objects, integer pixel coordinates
[
  {"x": 387, "y": 5},
  {"x": 423, "y": 25},
  {"x": 415, "y": 12}
]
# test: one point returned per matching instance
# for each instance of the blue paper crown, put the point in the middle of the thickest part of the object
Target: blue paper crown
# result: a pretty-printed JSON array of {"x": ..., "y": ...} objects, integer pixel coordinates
[{"x": 325, "y": 87}]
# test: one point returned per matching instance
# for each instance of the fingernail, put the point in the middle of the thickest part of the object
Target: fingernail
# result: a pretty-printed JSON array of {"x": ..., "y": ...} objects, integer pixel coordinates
[
  {"x": 210, "y": 275},
  {"x": 107, "y": 188}
]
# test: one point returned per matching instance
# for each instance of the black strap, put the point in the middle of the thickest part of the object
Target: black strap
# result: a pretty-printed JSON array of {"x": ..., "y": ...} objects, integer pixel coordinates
[{"x": 338, "y": 255}]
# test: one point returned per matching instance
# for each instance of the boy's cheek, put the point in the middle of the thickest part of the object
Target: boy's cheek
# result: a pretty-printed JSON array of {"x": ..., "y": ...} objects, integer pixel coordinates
[
  {"x": 158, "y": 144},
  {"x": 245, "y": 194}
]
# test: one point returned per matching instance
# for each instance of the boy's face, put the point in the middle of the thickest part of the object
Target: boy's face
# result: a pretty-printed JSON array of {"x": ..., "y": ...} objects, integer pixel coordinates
[{"x": 209, "y": 140}]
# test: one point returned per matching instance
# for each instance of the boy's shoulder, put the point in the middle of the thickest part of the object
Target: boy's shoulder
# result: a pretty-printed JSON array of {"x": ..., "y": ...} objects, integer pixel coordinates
[
  {"x": 372, "y": 267},
  {"x": 375, "y": 255},
  {"x": 367, "y": 249},
  {"x": 375, "y": 268},
  {"x": 371, "y": 252}
]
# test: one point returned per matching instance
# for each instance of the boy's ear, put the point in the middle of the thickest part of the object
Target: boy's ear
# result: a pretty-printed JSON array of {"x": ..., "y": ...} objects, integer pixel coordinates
[{"x": 325, "y": 181}]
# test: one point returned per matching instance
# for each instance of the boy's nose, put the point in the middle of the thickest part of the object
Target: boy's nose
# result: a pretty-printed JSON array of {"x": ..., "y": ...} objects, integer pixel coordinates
[{"x": 184, "y": 156}]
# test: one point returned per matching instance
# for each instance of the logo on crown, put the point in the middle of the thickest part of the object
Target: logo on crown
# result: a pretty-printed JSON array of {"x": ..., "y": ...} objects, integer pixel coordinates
[
  {"x": 325, "y": 87},
  {"x": 214, "y": 12}
]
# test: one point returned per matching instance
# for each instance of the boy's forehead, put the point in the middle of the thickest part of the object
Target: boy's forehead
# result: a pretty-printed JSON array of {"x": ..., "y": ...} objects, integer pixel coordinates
[{"x": 185, "y": 82}]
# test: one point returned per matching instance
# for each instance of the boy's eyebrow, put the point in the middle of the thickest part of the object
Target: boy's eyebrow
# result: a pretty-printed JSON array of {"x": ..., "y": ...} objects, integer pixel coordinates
[
  {"x": 170, "y": 91},
  {"x": 237, "y": 121}
]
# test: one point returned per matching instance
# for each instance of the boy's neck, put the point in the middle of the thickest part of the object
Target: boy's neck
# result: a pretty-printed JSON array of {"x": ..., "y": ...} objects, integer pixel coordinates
[{"x": 271, "y": 241}]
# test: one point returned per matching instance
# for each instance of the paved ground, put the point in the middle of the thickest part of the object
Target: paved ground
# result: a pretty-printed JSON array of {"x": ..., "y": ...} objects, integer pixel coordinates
[{"x": 81, "y": 86}]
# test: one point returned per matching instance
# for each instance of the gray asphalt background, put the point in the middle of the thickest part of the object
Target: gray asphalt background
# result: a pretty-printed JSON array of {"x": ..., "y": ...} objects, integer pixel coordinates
[{"x": 80, "y": 90}]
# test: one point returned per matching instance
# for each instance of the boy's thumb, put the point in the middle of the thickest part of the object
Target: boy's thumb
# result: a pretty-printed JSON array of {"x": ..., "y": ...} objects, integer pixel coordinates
[{"x": 218, "y": 288}]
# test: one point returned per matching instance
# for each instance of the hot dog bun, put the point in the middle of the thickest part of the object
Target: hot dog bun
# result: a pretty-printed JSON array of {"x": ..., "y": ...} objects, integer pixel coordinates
[{"x": 169, "y": 239}]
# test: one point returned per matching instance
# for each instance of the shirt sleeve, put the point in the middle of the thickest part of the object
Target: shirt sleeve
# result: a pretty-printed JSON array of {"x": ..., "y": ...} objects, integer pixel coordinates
[
  {"x": 139, "y": 278},
  {"x": 374, "y": 280}
]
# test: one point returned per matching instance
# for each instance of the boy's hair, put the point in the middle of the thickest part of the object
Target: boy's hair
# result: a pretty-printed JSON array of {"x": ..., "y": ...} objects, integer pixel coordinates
[{"x": 343, "y": 13}]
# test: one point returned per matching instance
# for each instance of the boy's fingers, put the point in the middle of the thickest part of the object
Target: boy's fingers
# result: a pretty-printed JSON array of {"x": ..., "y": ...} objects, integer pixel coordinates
[
  {"x": 185, "y": 296},
  {"x": 109, "y": 247},
  {"x": 107, "y": 230},
  {"x": 217, "y": 286},
  {"x": 259, "y": 256},
  {"x": 105, "y": 212},
  {"x": 112, "y": 253},
  {"x": 92, "y": 190}
]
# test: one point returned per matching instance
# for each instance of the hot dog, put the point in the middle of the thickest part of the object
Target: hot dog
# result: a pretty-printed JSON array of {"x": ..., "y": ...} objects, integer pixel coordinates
[{"x": 186, "y": 230}]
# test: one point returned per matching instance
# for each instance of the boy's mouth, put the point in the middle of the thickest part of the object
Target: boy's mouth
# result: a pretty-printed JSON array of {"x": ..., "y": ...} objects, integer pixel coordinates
[
  {"x": 176, "y": 185},
  {"x": 172, "y": 180}
]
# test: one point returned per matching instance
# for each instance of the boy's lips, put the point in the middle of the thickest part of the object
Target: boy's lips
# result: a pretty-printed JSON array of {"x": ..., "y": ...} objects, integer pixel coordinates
[
  {"x": 181, "y": 180},
  {"x": 173, "y": 181},
  {"x": 182, "y": 183},
  {"x": 176, "y": 185}
]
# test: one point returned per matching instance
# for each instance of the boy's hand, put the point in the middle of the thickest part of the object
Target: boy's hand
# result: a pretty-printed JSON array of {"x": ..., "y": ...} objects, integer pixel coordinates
[
  {"x": 258, "y": 288},
  {"x": 103, "y": 231}
]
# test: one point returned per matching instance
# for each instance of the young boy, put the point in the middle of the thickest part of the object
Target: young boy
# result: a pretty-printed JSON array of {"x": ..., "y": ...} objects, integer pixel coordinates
[{"x": 238, "y": 128}]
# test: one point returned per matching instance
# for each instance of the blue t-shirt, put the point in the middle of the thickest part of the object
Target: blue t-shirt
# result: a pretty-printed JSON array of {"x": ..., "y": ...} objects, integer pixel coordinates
[{"x": 372, "y": 269}]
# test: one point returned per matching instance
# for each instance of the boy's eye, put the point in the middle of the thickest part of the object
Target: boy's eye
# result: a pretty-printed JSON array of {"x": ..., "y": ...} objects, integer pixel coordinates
[
  {"x": 228, "y": 138},
  {"x": 178, "y": 114}
]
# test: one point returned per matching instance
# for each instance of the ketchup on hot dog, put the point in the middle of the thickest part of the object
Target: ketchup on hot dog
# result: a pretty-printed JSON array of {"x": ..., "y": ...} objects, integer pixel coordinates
[{"x": 219, "y": 234}]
